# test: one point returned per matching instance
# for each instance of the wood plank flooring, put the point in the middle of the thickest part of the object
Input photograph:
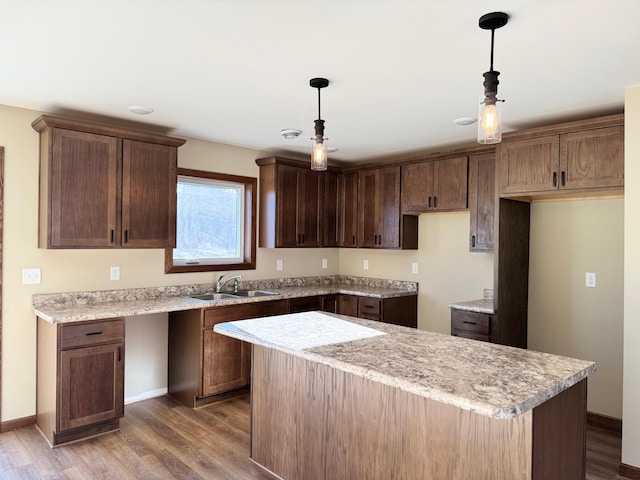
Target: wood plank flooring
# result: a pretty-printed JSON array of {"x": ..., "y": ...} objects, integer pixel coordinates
[{"x": 162, "y": 439}]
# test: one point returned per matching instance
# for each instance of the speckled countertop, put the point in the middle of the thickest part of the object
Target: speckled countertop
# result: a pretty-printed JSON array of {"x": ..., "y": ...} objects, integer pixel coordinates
[
  {"x": 482, "y": 305},
  {"x": 105, "y": 304},
  {"x": 489, "y": 379}
]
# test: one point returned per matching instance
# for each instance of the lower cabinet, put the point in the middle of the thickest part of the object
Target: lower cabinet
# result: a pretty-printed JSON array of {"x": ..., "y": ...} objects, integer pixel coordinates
[
  {"x": 397, "y": 310},
  {"x": 80, "y": 378},
  {"x": 473, "y": 325},
  {"x": 204, "y": 365}
]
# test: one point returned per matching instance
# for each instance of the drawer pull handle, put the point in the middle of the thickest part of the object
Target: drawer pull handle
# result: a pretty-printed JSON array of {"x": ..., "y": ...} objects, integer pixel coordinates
[
  {"x": 368, "y": 306},
  {"x": 466, "y": 322},
  {"x": 93, "y": 333}
]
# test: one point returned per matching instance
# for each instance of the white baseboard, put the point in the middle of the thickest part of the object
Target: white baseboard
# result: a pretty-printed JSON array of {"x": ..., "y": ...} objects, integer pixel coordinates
[{"x": 145, "y": 396}]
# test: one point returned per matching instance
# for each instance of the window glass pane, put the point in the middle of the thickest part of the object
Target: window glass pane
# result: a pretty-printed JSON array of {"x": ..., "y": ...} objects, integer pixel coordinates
[{"x": 210, "y": 222}]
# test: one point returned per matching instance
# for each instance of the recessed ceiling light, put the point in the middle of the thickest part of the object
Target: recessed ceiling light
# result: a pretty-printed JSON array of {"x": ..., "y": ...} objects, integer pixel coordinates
[
  {"x": 290, "y": 133},
  {"x": 465, "y": 120},
  {"x": 139, "y": 110}
]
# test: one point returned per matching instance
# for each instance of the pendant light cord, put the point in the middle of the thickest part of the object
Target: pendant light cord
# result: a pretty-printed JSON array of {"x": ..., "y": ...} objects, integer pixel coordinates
[
  {"x": 319, "y": 117},
  {"x": 491, "y": 68}
]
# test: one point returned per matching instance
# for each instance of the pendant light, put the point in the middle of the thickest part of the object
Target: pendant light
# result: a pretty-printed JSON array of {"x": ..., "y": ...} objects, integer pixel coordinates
[
  {"x": 319, "y": 150},
  {"x": 490, "y": 111}
]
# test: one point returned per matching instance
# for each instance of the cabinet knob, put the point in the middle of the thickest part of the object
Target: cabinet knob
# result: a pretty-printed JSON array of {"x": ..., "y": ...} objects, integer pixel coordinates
[
  {"x": 429, "y": 201},
  {"x": 555, "y": 179},
  {"x": 435, "y": 202},
  {"x": 126, "y": 236},
  {"x": 562, "y": 178},
  {"x": 473, "y": 240}
]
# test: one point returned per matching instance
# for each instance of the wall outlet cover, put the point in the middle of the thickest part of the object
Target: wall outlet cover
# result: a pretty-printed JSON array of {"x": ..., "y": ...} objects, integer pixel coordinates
[
  {"x": 278, "y": 264},
  {"x": 365, "y": 264}
]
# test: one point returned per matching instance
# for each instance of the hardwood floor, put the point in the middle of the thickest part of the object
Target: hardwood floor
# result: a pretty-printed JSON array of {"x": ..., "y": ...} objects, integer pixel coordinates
[{"x": 162, "y": 439}]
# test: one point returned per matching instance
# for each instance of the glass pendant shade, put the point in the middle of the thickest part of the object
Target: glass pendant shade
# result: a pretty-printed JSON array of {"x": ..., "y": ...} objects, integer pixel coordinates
[
  {"x": 489, "y": 121},
  {"x": 319, "y": 156}
]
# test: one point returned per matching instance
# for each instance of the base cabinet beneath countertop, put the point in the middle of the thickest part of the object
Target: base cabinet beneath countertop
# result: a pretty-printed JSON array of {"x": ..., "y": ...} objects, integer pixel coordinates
[
  {"x": 80, "y": 379},
  {"x": 203, "y": 365}
]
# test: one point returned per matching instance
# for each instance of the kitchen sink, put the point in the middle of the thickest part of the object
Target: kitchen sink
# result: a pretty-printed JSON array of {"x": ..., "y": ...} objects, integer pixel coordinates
[
  {"x": 214, "y": 296},
  {"x": 254, "y": 293}
]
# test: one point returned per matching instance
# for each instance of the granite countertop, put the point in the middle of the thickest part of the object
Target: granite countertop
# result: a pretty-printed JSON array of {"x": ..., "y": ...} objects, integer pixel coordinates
[
  {"x": 482, "y": 305},
  {"x": 493, "y": 380},
  {"x": 80, "y": 306}
]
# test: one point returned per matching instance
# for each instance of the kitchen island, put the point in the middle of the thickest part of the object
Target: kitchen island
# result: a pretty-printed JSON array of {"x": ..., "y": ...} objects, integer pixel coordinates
[{"x": 344, "y": 398}]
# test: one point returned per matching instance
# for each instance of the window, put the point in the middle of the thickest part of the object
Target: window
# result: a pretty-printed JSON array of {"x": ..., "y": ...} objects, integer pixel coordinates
[{"x": 215, "y": 223}]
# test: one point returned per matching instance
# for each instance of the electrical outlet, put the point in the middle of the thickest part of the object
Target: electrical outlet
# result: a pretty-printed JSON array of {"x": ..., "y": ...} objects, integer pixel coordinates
[
  {"x": 414, "y": 267},
  {"x": 31, "y": 276},
  {"x": 365, "y": 264},
  {"x": 114, "y": 273},
  {"x": 324, "y": 263},
  {"x": 590, "y": 280},
  {"x": 278, "y": 264}
]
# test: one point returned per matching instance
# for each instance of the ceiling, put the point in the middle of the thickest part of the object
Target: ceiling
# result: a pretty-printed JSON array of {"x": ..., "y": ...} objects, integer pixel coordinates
[{"x": 237, "y": 71}]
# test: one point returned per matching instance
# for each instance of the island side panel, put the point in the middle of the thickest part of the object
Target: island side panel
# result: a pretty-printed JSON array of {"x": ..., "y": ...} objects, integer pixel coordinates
[
  {"x": 560, "y": 435},
  {"x": 315, "y": 422}
]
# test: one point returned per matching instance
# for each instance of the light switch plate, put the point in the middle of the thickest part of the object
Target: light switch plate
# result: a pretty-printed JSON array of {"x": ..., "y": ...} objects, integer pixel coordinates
[
  {"x": 278, "y": 264},
  {"x": 31, "y": 276},
  {"x": 590, "y": 280},
  {"x": 414, "y": 267},
  {"x": 365, "y": 264},
  {"x": 324, "y": 263}
]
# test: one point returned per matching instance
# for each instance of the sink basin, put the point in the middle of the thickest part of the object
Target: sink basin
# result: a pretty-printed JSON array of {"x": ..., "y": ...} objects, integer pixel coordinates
[
  {"x": 254, "y": 293},
  {"x": 214, "y": 296}
]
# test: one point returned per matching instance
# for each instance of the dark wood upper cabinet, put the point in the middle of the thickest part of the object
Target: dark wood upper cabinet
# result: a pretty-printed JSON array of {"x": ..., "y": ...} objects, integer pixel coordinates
[
  {"x": 348, "y": 209},
  {"x": 105, "y": 187},
  {"x": 435, "y": 185},
  {"x": 330, "y": 209},
  {"x": 586, "y": 156},
  {"x": 291, "y": 204},
  {"x": 380, "y": 224},
  {"x": 482, "y": 181}
]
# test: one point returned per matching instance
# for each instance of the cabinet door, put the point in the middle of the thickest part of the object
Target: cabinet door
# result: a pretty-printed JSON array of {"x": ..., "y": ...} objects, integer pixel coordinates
[
  {"x": 368, "y": 210},
  {"x": 592, "y": 158},
  {"x": 417, "y": 186},
  {"x": 450, "y": 184},
  {"x": 227, "y": 361},
  {"x": 148, "y": 195},
  {"x": 389, "y": 207},
  {"x": 482, "y": 183},
  {"x": 529, "y": 165},
  {"x": 330, "y": 209},
  {"x": 309, "y": 200},
  {"x": 348, "y": 209},
  {"x": 83, "y": 189},
  {"x": 348, "y": 305},
  {"x": 305, "y": 304},
  {"x": 287, "y": 206},
  {"x": 91, "y": 385}
]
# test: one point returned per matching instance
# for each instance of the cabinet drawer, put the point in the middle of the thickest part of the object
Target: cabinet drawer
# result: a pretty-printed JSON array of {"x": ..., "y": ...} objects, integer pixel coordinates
[
  {"x": 369, "y": 307},
  {"x": 93, "y": 333},
  {"x": 470, "y": 321},
  {"x": 231, "y": 313},
  {"x": 471, "y": 335},
  {"x": 305, "y": 304}
]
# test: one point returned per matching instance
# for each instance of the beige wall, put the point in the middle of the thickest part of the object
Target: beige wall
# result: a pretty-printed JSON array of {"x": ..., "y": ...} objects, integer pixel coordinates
[
  {"x": 631, "y": 391},
  {"x": 567, "y": 240}
]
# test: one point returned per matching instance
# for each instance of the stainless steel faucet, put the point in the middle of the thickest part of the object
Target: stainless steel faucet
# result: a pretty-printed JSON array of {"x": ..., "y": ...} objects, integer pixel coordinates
[{"x": 220, "y": 284}]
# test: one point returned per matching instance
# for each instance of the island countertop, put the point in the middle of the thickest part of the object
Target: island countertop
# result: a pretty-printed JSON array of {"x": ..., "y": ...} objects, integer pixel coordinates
[{"x": 493, "y": 380}]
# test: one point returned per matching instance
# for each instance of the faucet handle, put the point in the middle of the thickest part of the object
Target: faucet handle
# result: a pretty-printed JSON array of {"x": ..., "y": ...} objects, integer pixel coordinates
[{"x": 221, "y": 277}]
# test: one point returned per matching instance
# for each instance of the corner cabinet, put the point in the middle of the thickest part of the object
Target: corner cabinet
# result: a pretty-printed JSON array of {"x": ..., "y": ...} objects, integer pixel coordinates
[
  {"x": 80, "y": 379},
  {"x": 578, "y": 157},
  {"x": 105, "y": 187},
  {"x": 380, "y": 224},
  {"x": 291, "y": 204}
]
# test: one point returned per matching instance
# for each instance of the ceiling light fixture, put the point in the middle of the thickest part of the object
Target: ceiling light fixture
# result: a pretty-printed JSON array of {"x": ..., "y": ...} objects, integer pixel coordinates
[
  {"x": 490, "y": 112},
  {"x": 139, "y": 110},
  {"x": 319, "y": 150}
]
